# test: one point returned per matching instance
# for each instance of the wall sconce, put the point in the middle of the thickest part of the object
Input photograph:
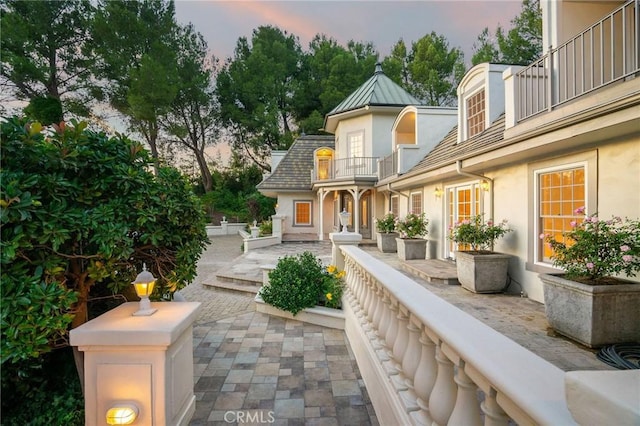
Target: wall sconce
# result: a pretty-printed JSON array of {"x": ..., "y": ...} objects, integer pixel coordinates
[
  {"x": 143, "y": 285},
  {"x": 344, "y": 220},
  {"x": 122, "y": 414},
  {"x": 438, "y": 192},
  {"x": 485, "y": 185}
]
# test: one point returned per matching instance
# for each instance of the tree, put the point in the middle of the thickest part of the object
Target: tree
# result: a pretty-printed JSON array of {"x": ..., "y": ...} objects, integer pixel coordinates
[
  {"x": 193, "y": 118},
  {"x": 396, "y": 65},
  {"x": 331, "y": 73},
  {"x": 521, "y": 45},
  {"x": 434, "y": 70},
  {"x": 256, "y": 90},
  {"x": 44, "y": 60},
  {"x": 80, "y": 213},
  {"x": 135, "y": 50}
]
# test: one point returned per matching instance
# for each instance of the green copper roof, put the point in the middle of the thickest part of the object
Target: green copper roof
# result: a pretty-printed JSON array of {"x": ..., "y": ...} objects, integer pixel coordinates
[{"x": 379, "y": 90}]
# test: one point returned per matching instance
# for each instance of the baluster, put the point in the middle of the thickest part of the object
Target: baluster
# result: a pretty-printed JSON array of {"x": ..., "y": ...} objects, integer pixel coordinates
[
  {"x": 383, "y": 328},
  {"x": 443, "y": 396},
  {"x": 371, "y": 302},
  {"x": 493, "y": 413},
  {"x": 400, "y": 344},
  {"x": 466, "y": 410},
  {"x": 425, "y": 379},
  {"x": 366, "y": 308},
  {"x": 390, "y": 366},
  {"x": 377, "y": 312},
  {"x": 410, "y": 362}
]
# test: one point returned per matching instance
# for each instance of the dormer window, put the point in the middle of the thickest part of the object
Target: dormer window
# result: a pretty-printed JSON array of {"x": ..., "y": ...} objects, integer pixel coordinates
[{"x": 475, "y": 114}]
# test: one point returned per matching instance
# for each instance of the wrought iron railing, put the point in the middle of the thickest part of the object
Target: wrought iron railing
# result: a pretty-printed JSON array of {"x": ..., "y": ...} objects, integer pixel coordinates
[
  {"x": 604, "y": 53},
  {"x": 388, "y": 166},
  {"x": 353, "y": 167}
]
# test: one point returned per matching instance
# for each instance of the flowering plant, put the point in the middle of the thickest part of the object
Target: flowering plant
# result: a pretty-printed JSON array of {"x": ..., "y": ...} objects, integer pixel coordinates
[
  {"x": 387, "y": 224},
  {"x": 412, "y": 226},
  {"x": 594, "y": 250},
  {"x": 476, "y": 233},
  {"x": 332, "y": 287}
]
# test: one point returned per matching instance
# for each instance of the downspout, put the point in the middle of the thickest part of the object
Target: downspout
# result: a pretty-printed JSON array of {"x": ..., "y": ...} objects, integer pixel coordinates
[
  {"x": 475, "y": 175},
  {"x": 393, "y": 191}
]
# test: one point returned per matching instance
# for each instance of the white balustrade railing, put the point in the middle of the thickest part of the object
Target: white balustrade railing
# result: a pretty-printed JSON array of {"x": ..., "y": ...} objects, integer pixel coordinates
[{"x": 424, "y": 361}]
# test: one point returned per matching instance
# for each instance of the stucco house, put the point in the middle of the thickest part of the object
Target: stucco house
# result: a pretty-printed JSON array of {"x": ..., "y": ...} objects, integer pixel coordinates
[{"x": 526, "y": 144}]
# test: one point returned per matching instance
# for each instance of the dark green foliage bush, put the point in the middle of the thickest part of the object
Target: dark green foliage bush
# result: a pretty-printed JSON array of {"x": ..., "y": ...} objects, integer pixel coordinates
[
  {"x": 300, "y": 282},
  {"x": 295, "y": 283},
  {"x": 81, "y": 211},
  {"x": 49, "y": 395}
]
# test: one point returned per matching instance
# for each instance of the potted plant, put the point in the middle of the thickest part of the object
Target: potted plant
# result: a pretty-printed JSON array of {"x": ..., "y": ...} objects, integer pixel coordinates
[
  {"x": 412, "y": 230},
  {"x": 479, "y": 268},
  {"x": 589, "y": 302},
  {"x": 387, "y": 234}
]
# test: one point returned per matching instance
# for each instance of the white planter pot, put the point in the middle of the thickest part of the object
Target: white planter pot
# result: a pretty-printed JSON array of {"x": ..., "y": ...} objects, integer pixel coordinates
[
  {"x": 411, "y": 248},
  {"x": 482, "y": 272},
  {"x": 387, "y": 242},
  {"x": 594, "y": 315}
]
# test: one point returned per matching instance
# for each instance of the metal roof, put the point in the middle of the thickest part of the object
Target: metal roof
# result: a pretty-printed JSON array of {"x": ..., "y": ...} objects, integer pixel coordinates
[{"x": 379, "y": 90}]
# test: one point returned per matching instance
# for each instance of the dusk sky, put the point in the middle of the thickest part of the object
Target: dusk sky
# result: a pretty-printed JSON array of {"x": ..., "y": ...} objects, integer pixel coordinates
[{"x": 380, "y": 22}]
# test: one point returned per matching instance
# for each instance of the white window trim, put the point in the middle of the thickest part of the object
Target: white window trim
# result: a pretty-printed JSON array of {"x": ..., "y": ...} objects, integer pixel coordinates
[
  {"x": 349, "y": 135},
  {"x": 295, "y": 215},
  {"x": 397, "y": 199},
  {"x": 465, "y": 112},
  {"x": 411, "y": 195},
  {"x": 536, "y": 201}
]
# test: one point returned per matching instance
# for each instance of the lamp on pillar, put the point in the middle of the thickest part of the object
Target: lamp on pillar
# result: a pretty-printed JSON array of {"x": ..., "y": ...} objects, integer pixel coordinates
[
  {"x": 344, "y": 220},
  {"x": 143, "y": 285}
]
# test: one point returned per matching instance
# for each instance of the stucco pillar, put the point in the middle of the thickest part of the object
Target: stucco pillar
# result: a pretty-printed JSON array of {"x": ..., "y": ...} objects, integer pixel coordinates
[
  {"x": 276, "y": 225},
  {"x": 342, "y": 239},
  {"x": 224, "y": 224},
  {"x": 145, "y": 361}
]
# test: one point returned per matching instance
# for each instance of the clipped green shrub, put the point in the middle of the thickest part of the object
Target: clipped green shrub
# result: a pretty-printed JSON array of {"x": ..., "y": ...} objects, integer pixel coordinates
[{"x": 300, "y": 282}]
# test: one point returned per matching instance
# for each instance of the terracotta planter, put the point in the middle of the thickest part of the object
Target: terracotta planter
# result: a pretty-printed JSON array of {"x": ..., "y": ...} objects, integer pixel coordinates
[
  {"x": 594, "y": 315},
  {"x": 387, "y": 242},
  {"x": 482, "y": 272},
  {"x": 411, "y": 248}
]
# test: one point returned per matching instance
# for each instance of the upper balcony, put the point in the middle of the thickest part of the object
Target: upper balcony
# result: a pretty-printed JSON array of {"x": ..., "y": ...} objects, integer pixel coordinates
[
  {"x": 606, "y": 52},
  {"x": 399, "y": 162},
  {"x": 326, "y": 170}
]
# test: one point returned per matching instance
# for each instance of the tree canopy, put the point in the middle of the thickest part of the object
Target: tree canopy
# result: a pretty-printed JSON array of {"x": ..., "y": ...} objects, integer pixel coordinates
[
  {"x": 520, "y": 45},
  {"x": 44, "y": 57}
]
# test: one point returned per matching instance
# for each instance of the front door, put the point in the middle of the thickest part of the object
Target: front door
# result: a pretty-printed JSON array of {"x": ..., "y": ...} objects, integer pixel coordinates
[{"x": 364, "y": 213}]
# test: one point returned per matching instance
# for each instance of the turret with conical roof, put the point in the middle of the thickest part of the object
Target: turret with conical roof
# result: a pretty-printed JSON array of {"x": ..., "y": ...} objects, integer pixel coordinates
[{"x": 378, "y": 91}]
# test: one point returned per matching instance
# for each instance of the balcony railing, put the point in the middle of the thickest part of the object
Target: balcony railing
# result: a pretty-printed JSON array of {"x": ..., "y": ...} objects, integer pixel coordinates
[
  {"x": 606, "y": 52},
  {"x": 344, "y": 168},
  {"x": 424, "y": 361},
  {"x": 388, "y": 166}
]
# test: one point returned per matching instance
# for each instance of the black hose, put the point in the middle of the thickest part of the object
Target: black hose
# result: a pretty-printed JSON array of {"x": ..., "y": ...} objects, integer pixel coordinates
[{"x": 623, "y": 356}]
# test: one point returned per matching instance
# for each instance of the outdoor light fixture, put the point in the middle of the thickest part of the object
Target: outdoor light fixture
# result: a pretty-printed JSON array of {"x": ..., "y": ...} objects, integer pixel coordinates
[
  {"x": 438, "y": 192},
  {"x": 484, "y": 184},
  {"x": 122, "y": 414},
  {"x": 344, "y": 220},
  {"x": 144, "y": 284}
]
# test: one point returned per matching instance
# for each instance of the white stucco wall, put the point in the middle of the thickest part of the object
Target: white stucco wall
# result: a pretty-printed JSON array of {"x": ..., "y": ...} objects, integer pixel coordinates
[{"x": 285, "y": 208}]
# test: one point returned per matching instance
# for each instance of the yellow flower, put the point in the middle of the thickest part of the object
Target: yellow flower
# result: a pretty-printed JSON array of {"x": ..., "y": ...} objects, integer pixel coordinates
[
  {"x": 329, "y": 296},
  {"x": 331, "y": 269},
  {"x": 341, "y": 274}
]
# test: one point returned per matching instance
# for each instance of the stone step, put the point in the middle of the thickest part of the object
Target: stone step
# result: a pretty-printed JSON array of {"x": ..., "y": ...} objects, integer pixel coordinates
[
  {"x": 249, "y": 289},
  {"x": 433, "y": 270},
  {"x": 237, "y": 279}
]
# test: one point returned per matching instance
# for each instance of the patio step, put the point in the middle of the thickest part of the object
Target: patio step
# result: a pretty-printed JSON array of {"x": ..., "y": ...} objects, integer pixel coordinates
[
  {"x": 433, "y": 270},
  {"x": 238, "y": 284}
]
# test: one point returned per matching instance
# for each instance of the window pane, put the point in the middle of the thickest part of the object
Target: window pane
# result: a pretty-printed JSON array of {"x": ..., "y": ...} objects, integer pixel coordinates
[
  {"x": 561, "y": 193},
  {"x": 302, "y": 213},
  {"x": 475, "y": 114}
]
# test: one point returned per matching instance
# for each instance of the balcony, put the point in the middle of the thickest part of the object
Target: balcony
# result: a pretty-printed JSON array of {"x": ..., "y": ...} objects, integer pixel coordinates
[
  {"x": 354, "y": 168},
  {"x": 400, "y": 161},
  {"x": 603, "y": 54}
]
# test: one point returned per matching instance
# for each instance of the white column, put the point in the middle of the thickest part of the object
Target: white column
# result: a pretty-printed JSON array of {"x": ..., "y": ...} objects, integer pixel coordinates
[
  {"x": 342, "y": 239},
  {"x": 466, "y": 410}
]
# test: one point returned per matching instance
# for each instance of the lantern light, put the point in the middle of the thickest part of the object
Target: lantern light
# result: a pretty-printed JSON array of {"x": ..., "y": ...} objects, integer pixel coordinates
[{"x": 143, "y": 285}]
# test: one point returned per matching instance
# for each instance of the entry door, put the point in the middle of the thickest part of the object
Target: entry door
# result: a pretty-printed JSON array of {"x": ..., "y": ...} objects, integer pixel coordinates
[
  {"x": 364, "y": 214},
  {"x": 463, "y": 203}
]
